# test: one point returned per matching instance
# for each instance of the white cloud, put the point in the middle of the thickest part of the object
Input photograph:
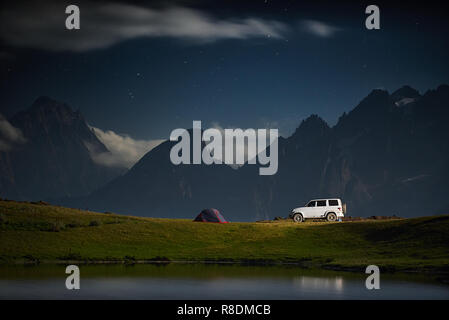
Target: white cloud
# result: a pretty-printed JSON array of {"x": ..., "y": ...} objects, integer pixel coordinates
[
  {"x": 124, "y": 151},
  {"x": 404, "y": 101},
  {"x": 240, "y": 149},
  {"x": 319, "y": 28},
  {"x": 105, "y": 24},
  {"x": 9, "y": 135},
  {"x": 241, "y": 144}
]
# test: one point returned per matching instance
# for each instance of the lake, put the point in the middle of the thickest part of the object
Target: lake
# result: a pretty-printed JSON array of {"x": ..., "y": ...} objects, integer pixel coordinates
[{"x": 209, "y": 281}]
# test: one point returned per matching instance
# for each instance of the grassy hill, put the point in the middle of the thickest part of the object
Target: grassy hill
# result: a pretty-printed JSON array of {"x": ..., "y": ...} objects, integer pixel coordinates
[{"x": 39, "y": 232}]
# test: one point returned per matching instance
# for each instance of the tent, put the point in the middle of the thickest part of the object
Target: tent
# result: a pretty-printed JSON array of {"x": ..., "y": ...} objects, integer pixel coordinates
[{"x": 210, "y": 215}]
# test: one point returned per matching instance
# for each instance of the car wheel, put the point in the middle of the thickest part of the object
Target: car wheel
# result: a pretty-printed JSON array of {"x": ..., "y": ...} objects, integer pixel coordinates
[
  {"x": 298, "y": 218},
  {"x": 331, "y": 217}
]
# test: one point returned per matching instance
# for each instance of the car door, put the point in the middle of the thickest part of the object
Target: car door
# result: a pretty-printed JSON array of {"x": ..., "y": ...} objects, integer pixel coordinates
[
  {"x": 309, "y": 211},
  {"x": 321, "y": 208}
]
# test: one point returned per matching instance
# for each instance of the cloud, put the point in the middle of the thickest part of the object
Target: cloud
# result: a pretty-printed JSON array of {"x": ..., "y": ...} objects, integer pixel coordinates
[
  {"x": 241, "y": 144},
  {"x": 319, "y": 28},
  {"x": 105, "y": 24},
  {"x": 240, "y": 148},
  {"x": 124, "y": 151},
  {"x": 9, "y": 135}
]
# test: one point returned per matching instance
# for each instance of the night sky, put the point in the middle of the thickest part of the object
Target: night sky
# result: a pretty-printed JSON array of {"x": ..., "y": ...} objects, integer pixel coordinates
[{"x": 291, "y": 60}]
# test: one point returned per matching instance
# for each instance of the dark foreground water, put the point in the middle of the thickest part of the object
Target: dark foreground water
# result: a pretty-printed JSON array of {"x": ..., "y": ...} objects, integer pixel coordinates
[{"x": 198, "y": 281}]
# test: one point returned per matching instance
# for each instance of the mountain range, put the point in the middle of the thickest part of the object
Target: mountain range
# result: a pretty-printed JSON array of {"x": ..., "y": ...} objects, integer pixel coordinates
[
  {"x": 53, "y": 159},
  {"x": 387, "y": 156}
]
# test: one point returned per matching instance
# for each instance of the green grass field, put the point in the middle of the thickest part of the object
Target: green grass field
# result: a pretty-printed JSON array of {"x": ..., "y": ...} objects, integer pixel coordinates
[{"x": 45, "y": 233}]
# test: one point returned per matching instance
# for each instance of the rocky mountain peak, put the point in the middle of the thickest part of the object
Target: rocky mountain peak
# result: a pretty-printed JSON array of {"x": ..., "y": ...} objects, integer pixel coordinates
[
  {"x": 45, "y": 107},
  {"x": 312, "y": 123},
  {"x": 405, "y": 95}
]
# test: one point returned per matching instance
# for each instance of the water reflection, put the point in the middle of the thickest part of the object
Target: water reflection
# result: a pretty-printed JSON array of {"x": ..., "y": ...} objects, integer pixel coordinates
[
  {"x": 197, "y": 282},
  {"x": 316, "y": 283}
]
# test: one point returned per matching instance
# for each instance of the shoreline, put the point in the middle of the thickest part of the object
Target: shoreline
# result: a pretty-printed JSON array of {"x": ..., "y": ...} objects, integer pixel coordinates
[{"x": 389, "y": 269}]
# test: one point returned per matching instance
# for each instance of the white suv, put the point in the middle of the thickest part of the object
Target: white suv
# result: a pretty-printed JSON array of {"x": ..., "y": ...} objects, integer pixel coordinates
[{"x": 329, "y": 209}]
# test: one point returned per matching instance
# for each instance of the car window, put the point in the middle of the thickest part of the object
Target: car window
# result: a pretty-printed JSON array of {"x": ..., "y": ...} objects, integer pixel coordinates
[
  {"x": 311, "y": 204},
  {"x": 333, "y": 202},
  {"x": 321, "y": 203}
]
